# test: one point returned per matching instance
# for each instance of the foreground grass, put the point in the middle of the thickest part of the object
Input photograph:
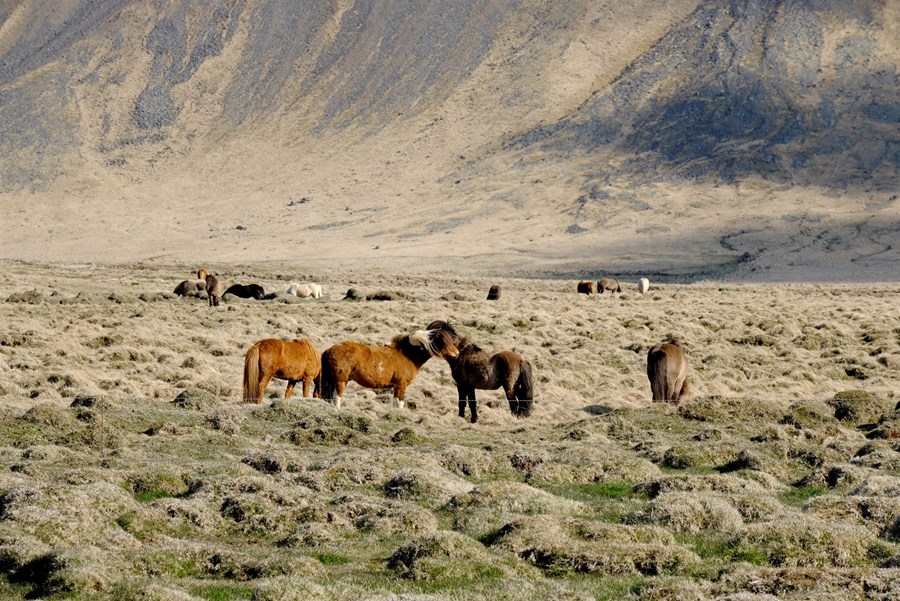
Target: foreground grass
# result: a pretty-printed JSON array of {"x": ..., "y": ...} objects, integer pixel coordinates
[{"x": 129, "y": 468}]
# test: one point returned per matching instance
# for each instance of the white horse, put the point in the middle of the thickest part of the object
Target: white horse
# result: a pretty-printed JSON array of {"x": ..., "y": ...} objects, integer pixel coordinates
[
  {"x": 643, "y": 285},
  {"x": 304, "y": 290}
]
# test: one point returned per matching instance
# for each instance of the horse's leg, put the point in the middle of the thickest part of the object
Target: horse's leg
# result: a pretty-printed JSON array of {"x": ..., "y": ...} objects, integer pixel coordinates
[
  {"x": 473, "y": 409},
  {"x": 307, "y": 382},
  {"x": 289, "y": 391},
  {"x": 399, "y": 394},
  {"x": 263, "y": 383},
  {"x": 461, "y": 389},
  {"x": 508, "y": 388},
  {"x": 340, "y": 385}
]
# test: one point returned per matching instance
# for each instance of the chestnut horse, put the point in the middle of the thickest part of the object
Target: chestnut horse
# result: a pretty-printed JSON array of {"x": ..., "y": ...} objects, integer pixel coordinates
[
  {"x": 272, "y": 358},
  {"x": 476, "y": 368},
  {"x": 667, "y": 370},
  {"x": 391, "y": 366}
]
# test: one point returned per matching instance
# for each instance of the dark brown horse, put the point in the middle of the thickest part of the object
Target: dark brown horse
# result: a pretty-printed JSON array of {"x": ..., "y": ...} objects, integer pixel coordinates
[
  {"x": 667, "y": 370},
  {"x": 586, "y": 287},
  {"x": 391, "y": 366},
  {"x": 249, "y": 291},
  {"x": 494, "y": 292},
  {"x": 214, "y": 290},
  {"x": 294, "y": 361},
  {"x": 475, "y": 368}
]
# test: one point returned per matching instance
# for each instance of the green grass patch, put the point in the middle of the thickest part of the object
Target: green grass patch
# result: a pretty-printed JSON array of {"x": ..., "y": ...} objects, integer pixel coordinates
[
  {"x": 723, "y": 547},
  {"x": 797, "y": 496},
  {"x": 146, "y": 496},
  {"x": 222, "y": 592},
  {"x": 331, "y": 559},
  {"x": 593, "y": 490}
]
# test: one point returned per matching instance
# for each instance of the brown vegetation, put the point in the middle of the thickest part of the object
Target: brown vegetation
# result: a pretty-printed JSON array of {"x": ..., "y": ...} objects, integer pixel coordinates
[{"x": 131, "y": 468}]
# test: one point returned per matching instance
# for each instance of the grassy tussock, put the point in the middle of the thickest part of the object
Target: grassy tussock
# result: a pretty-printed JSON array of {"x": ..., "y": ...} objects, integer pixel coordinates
[{"x": 132, "y": 469}]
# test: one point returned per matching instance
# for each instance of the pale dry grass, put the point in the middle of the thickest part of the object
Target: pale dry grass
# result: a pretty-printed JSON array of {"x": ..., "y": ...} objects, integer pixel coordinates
[{"x": 133, "y": 469}]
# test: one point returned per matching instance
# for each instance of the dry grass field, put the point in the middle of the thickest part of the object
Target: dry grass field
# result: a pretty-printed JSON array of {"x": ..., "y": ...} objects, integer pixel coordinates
[{"x": 131, "y": 469}]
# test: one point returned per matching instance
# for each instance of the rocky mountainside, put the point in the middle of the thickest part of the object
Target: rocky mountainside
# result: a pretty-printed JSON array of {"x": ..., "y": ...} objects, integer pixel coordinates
[{"x": 729, "y": 138}]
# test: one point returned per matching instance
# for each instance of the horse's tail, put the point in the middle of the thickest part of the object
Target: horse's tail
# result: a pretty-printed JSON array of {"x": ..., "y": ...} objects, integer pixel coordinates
[
  {"x": 327, "y": 382},
  {"x": 523, "y": 391},
  {"x": 524, "y": 388},
  {"x": 656, "y": 373},
  {"x": 251, "y": 374},
  {"x": 685, "y": 388}
]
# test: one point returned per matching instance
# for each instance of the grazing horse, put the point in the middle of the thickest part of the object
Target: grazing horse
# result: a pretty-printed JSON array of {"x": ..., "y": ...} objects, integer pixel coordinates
[
  {"x": 249, "y": 291},
  {"x": 611, "y": 284},
  {"x": 585, "y": 287},
  {"x": 190, "y": 288},
  {"x": 475, "y": 368},
  {"x": 272, "y": 358},
  {"x": 643, "y": 285},
  {"x": 494, "y": 292},
  {"x": 304, "y": 290},
  {"x": 213, "y": 290},
  {"x": 391, "y": 366},
  {"x": 667, "y": 370}
]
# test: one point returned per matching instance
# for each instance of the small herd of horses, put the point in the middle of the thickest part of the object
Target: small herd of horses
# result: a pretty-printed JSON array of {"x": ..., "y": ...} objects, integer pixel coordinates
[
  {"x": 395, "y": 365},
  {"x": 210, "y": 284},
  {"x": 611, "y": 285}
]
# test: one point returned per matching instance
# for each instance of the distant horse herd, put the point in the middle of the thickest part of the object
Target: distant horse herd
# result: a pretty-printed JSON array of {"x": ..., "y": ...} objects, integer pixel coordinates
[{"x": 395, "y": 365}]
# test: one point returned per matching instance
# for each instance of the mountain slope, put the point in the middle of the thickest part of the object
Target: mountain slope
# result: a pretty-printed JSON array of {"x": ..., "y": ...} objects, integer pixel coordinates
[{"x": 740, "y": 139}]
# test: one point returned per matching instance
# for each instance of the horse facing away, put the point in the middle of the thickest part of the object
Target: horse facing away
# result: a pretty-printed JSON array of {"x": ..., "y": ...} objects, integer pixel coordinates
[
  {"x": 667, "y": 370},
  {"x": 304, "y": 290},
  {"x": 475, "y": 368},
  {"x": 391, "y": 366},
  {"x": 294, "y": 361},
  {"x": 214, "y": 290},
  {"x": 643, "y": 285}
]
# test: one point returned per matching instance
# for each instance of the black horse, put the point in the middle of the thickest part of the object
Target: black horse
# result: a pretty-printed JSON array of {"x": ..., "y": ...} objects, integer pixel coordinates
[
  {"x": 475, "y": 368},
  {"x": 249, "y": 291}
]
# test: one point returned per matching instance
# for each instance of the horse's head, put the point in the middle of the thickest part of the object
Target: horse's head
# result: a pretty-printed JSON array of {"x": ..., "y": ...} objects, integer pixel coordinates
[
  {"x": 443, "y": 326},
  {"x": 437, "y": 342}
]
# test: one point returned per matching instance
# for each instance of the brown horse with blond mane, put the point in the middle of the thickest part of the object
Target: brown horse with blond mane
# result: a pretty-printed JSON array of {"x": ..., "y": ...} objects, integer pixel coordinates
[
  {"x": 294, "y": 361},
  {"x": 475, "y": 368},
  {"x": 391, "y": 366}
]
